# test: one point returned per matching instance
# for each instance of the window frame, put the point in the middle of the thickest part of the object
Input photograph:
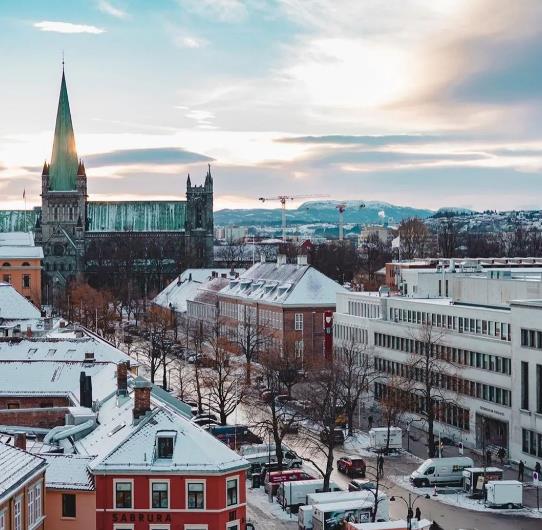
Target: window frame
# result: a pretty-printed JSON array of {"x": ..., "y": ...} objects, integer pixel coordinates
[
  {"x": 123, "y": 481},
  {"x": 237, "y": 480},
  {"x": 153, "y": 481},
  {"x": 69, "y": 517},
  {"x": 196, "y": 481},
  {"x": 298, "y": 322}
]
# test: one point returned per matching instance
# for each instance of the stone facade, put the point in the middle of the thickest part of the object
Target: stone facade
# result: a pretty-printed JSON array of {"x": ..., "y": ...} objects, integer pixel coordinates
[{"x": 75, "y": 232}]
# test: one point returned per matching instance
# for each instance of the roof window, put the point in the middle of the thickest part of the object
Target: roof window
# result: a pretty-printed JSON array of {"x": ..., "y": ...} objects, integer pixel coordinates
[{"x": 165, "y": 443}]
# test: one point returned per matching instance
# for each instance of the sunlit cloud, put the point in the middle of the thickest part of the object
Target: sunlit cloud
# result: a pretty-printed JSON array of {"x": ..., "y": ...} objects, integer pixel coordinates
[
  {"x": 67, "y": 27},
  {"x": 110, "y": 9}
]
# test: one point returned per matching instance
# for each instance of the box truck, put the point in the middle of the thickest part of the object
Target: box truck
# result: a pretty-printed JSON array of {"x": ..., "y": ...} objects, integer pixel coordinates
[
  {"x": 337, "y": 496},
  {"x": 504, "y": 494},
  {"x": 304, "y": 518},
  {"x": 441, "y": 471},
  {"x": 294, "y": 494},
  {"x": 378, "y": 439},
  {"x": 332, "y": 516}
]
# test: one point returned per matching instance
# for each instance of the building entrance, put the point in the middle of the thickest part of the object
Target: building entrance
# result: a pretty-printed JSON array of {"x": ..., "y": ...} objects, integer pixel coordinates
[{"x": 491, "y": 432}]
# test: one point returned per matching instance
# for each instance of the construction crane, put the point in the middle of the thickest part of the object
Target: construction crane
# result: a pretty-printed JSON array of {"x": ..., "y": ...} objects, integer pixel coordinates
[
  {"x": 341, "y": 208},
  {"x": 283, "y": 199}
]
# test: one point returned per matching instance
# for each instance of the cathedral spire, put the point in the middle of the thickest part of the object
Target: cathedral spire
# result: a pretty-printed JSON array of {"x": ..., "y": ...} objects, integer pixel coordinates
[{"x": 64, "y": 162}]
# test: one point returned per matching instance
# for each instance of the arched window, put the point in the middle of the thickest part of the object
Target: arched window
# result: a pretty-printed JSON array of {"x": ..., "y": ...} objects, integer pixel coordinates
[
  {"x": 6, "y": 264},
  {"x": 26, "y": 264}
]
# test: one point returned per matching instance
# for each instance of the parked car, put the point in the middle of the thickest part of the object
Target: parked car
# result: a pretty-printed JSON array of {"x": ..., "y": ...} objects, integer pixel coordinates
[
  {"x": 289, "y": 423},
  {"x": 338, "y": 436},
  {"x": 207, "y": 415},
  {"x": 361, "y": 484},
  {"x": 202, "y": 422},
  {"x": 353, "y": 467},
  {"x": 275, "y": 478}
]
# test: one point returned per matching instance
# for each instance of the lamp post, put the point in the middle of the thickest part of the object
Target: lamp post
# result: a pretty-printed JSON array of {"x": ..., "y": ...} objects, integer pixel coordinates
[{"x": 410, "y": 505}]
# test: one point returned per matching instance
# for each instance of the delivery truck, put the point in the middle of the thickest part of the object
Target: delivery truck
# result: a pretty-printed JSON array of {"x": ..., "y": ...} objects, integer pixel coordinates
[
  {"x": 441, "y": 471},
  {"x": 332, "y": 516},
  {"x": 260, "y": 454},
  {"x": 475, "y": 479},
  {"x": 294, "y": 494},
  {"x": 337, "y": 496},
  {"x": 504, "y": 494},
  {"x": 304, "y": 518},
  {"x": 378, "y": 439}
]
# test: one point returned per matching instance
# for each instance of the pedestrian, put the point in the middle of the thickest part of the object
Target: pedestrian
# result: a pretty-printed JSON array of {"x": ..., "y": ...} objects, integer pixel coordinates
[
  {"x": 381, "y": 465},
  {"x": 409, "y": 516},
  {"x": 418, "y": 514},
  {"x": 521, "y": 470},
  {"x": 537, "y": 468},
  {"x": 370, "y": 422},
  {"x": 501, "y": 453},
  {"x": 488, "y": 457}
]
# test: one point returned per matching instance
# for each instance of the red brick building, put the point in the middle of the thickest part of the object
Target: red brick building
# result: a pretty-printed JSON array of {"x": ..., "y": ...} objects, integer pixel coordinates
[
  {"x": 284, "y": 301},
  {"x": 22, "y": 493},
  {"x": 156, "y": 470}
]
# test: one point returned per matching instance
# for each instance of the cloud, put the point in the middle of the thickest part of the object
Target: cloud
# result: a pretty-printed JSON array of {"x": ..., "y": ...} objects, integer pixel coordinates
[
  {"x": 221, "y": 10},
  {"x": 110, "y": 9},
  {"x": 149, "y": 156},
  {"x": 203, "y": 118},
  {"x": 190, "y": 42},
  {"x": 376, "y": 140},
  {"x": 67, "y": 27}
]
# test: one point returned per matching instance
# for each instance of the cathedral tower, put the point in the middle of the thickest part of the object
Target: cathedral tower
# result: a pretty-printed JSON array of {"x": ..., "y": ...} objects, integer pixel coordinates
[{"x": 61, "y": 228}]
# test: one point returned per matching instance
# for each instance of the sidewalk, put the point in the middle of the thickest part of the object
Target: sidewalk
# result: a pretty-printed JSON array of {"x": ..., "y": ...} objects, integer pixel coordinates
[{"x": 418, "y": 447}]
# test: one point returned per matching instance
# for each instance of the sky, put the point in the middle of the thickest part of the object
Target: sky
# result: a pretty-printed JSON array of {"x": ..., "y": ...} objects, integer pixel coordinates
[{"x": 427, "y": 103}]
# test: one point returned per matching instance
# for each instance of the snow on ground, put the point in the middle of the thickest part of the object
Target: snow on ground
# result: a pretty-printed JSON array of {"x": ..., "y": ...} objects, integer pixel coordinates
[
  {"x": 359, "y": 444},
  {"x": 258, "y": 497},
  {"x": 461, "y": 500}
]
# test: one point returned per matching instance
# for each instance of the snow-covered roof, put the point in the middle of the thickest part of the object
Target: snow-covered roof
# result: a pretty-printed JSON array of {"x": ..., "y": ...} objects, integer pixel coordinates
[
  {"x": 17, "y": 239},
  {"x": 68, "y": 472},
  {"x": 14, "y": 305},
  {"x": 195, "y": 450},
  {"x": 185, "y": 287},
  {"x": 61, "y": 349},
  {"x": 17, "y": 466},
  {"x": 285, "y": 285},
  {"x": 16, "y": 252},
  {"x": 54, "y": 378}
]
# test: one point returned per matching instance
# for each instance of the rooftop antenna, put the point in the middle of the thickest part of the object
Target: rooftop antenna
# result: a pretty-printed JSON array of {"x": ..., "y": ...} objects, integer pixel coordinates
[{"x": 62, "y": 61}]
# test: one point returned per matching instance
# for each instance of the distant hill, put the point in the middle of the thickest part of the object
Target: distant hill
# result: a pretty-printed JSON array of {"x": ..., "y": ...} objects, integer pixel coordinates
[{"x": 321, "y": 212}]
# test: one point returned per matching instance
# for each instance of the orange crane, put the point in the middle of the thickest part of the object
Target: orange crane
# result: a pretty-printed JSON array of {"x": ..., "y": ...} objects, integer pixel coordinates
[
  {"x": 283, "y": 199},
  {"x": 341, "y": 208}
]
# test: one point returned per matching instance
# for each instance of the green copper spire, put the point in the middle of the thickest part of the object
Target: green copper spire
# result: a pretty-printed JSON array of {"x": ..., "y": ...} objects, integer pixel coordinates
[{"x": 64, "y": 163}]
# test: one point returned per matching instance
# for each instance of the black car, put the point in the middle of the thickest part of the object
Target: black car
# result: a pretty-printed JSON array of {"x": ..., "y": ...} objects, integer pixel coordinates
[{"x": 338, "y": 436}]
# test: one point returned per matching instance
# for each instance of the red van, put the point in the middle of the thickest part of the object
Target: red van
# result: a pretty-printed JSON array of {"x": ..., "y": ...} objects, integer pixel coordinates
[{"x": 275, "y": 478}]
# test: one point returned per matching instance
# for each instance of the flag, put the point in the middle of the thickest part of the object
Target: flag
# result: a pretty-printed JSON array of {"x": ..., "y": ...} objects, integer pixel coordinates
[
  {"x": 396, "y": 243},
  {"x": 24, "y": 193}
]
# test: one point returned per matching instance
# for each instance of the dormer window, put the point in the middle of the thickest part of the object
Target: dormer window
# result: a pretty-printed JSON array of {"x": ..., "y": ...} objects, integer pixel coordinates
[{"x": 165, "y": 442}]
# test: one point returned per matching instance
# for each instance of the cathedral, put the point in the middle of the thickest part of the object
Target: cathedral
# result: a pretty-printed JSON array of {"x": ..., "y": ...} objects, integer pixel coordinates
[{"x": 148, "y": 241}]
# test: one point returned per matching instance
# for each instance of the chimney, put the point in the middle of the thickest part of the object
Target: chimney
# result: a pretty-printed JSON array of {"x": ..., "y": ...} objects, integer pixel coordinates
[
  {"x": 20, "y": 440},
  {"x": 142, "y": 398},
  {"x": 28, "y": 331},
  {"x": 302, "y": 260},
  {"x": 85, "y": 390},
  {"x": 122, "y": 379},
  {"x": 281, "y": 259},
  {"x": 62, "y": 324}
]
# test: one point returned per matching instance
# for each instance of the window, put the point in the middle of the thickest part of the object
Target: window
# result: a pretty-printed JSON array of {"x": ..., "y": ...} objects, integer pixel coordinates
[
  {"x": 6, "y": 264},
  {"x": 12, "y": 406},
  {"x": 26, "y": 281},
  {"x": 160, "y": 494},
  {"x": 299, "y": 347},
  {"x": 17, "y": 515},
  {"x": 299, "y": 321},
  {"x": 123, "y": 494},
  {"x": 539, "y": 388},
  {"x": 232, "y": 496},
  {"x": 195, "y": 495},
  {"x": 3, "y": 520},
  {"x": 524, "y": 385},
  {"x": 165, "y": 446},
  {"x": 69, "y": 505},
  {"x": 37, "y": 502},
  {"x": 6, "y": 278}
]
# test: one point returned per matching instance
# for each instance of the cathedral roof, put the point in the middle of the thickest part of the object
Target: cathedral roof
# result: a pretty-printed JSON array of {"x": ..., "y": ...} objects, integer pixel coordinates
[{"x": 64, "y": 162}]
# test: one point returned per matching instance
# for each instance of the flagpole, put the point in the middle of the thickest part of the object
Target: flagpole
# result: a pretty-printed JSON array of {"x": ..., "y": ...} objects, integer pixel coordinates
[{"x": 25, "y": 215}]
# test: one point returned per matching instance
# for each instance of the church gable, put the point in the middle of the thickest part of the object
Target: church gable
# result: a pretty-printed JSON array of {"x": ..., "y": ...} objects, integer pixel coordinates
[{"x": 136, "y": 216}]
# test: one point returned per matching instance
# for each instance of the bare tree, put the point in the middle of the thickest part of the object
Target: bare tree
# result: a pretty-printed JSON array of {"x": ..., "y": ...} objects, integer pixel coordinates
[
  {"x": 224, "y": 385},
  {"x": 323, "y": 398},
  {"x": 427, "y": 367},
  {"x": 414, "y": 237},
  {"x": 356, "y": 373},
  {"x": 448, "y": 237},
  {"x": 198, "y": 336},
  {"x": 231, "y": 254},
  {"x": 375, "y": 253}
]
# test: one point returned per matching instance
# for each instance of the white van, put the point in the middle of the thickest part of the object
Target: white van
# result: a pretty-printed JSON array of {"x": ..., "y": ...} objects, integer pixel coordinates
[
  {"x": 293, "y": 494},
  {"x": 441, "y": 471}
]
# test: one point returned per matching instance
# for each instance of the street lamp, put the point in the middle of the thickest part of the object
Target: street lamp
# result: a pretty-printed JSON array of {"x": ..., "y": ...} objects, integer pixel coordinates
[{"x": 410, "y": 505}]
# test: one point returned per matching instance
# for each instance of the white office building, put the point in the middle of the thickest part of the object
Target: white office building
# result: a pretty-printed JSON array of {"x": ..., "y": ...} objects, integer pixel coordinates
[{"x": 487, "y": 325}]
